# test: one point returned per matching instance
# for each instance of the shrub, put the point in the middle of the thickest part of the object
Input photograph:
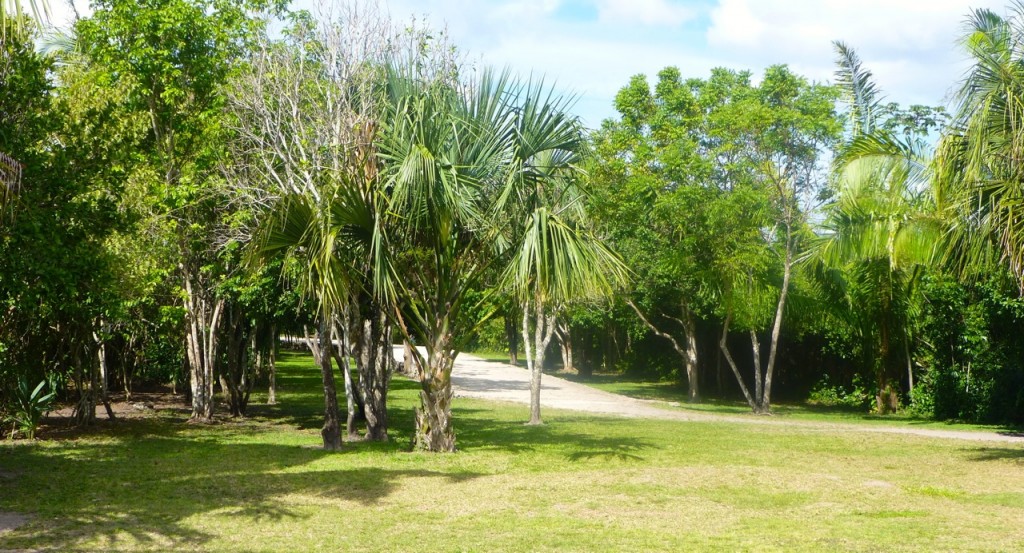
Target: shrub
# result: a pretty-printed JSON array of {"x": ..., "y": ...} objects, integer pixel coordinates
[
  {"x": 29, "y": 408},
  {"x": 838, "y": 396}
]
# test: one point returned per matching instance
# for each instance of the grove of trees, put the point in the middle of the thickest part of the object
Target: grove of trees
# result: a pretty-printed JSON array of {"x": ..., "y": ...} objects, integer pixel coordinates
[{"x": 184, "y": 182}]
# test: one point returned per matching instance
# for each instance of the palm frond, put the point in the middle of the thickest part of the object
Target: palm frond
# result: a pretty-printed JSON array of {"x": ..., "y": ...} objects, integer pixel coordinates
[{"x": 860, "y": 90}]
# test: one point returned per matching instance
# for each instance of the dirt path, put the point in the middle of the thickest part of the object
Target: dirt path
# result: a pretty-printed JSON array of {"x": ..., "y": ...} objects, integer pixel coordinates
[{"x": 478, "y": 378}]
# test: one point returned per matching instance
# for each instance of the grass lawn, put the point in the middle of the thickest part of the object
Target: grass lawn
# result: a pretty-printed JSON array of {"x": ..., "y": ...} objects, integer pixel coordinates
[{"x": 579, "y": 483}]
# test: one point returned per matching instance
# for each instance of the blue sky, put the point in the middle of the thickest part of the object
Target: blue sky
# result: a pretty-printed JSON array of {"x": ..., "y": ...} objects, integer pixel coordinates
[{"x": 592, "y": 47}]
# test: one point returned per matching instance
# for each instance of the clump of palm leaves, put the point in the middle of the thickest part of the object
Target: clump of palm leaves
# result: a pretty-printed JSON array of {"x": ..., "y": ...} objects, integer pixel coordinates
[{"x": 29, "y": 408}]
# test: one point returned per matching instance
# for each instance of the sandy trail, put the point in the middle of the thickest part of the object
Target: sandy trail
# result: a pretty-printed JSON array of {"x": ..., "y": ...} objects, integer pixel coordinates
[{"x": 474, "y": 377}]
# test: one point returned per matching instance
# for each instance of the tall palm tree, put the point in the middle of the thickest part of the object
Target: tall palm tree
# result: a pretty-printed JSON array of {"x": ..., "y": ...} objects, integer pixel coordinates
[
  {"x": 445, "y": 148},
  {"x": 980, "y": 160},
  {"x": 325, "y": 234},
  {"x": 475, "y": 176},
  {"x": 881, "y": 229},
  {"x": 556, "y": 259}
]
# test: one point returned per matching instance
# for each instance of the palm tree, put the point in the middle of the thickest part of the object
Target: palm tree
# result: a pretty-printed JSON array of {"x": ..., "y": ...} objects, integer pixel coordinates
[
  {"x": 322, "y": 233},
  {"x": 20, "y": 11},
  {"x": 445, "y": 149},
  {"x": 556, "y": 261},
  {"x": 980, "y": 160},
  {"x": 475, "y": 177},
  {"x": 881, "y": 230}
]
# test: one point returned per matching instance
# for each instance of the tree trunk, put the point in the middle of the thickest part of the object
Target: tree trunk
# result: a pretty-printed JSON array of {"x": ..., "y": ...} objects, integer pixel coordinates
[
  {"x": 407, "y": 361},
  {"x": 688, "y": 354},
  {"x": 692, "y": 368},
  {"x": 434, "y": 431},
  {"x": 755, "y": 345},
  {"x": 375, "y": 362},
  {"x": 331, "y": 431},
  {"x": 910, "y": 366},
  {"x": 272, "y": 366},
  {"x": 543, "y": 331},
  {"x": 765, "y": 401},
  {"x": 201, "y": 341},
  {"x": 723, "y": 345},
  {"x": 234, "y": 378},
  {"x": 887, "y": 400},
  {"x": 513, "y": 339},
  {"x": 564, "y": 332},
  {"x": 341, "y": 358}
]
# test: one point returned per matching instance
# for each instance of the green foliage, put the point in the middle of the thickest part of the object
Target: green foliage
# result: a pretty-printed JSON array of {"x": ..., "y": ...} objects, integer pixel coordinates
[
  {"x": 979, "y": 156},
  {"x": 28, "y": 408},
  {"x": 55, "y": 272},
  {"x": 856, "y": 397},
  {"x": 972, "y": 367},
  {"x": 882, "y": 227}
]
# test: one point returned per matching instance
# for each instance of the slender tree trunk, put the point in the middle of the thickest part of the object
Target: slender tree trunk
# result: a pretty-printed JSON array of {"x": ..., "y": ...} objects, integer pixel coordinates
[
  {"x": 692, "y": 368},
  {"x": 513, "y": 339},
  {"x": 203, "y": 324},
  {"x": 564, "y": 331},
  {"x": 97, "y": 386},
  {"x": 787, "y": 273},
  {"x": 543, "y": 331},
  {"x": 910, "y": 365},
  {"x": 723, "y": 345},
  {"x": 272, "y": 366},
  {"x": 755, "y": 345},
  {"x": 688, "y": 353},
  {"x": 340, "y": 357},
  {"x": 101, "y": 354},
  {"x": 232, "y": 376},
  {"x": 321, "y": 350},
  {"x": 331, "y": 431}
]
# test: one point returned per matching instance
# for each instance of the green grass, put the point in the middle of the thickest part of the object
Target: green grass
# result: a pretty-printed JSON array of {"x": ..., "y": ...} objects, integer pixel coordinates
[{"x": 578, "y": 483}]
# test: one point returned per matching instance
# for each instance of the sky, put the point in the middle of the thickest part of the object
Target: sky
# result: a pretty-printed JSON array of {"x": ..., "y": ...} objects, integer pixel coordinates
[{"x": 591, "y": 48}]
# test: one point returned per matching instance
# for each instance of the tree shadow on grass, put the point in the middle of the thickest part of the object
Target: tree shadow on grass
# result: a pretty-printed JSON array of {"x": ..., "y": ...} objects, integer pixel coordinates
[
  {"x": 478, "y": 429},
  {"x": 998, "y": 454},
  {"x": 302, "y": 401},
  {"x": 124, "y": 493}
]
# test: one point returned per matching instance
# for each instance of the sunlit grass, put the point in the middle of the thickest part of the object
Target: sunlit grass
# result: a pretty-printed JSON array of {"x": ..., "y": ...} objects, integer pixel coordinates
[{"x": 578, "y": 483}]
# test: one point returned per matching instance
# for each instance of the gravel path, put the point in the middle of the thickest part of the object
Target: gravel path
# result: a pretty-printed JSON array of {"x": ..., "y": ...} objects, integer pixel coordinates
[{"x": 492, "y": 380}]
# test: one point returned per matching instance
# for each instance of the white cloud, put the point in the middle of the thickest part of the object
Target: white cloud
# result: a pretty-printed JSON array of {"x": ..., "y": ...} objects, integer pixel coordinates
[
  {"x": 646, "y": 12},
  {"x": 910, "y": 45},
  {"x": 62, "y": 14}
]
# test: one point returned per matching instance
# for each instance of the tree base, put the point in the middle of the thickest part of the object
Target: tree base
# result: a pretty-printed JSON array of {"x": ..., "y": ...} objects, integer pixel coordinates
[{"x": 434, "y": 430}]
